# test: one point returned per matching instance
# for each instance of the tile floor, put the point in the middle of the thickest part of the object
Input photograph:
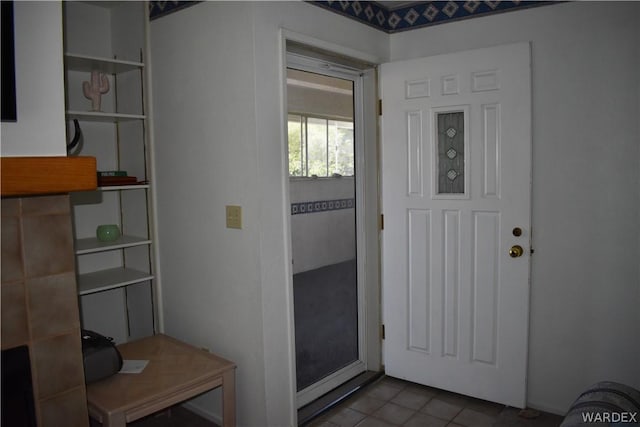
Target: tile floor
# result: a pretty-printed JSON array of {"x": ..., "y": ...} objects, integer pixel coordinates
[{"x": 389, "y": 402}]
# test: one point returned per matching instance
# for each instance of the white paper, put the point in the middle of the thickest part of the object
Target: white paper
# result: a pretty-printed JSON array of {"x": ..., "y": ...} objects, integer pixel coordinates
[{"x": 133, "y": 366}]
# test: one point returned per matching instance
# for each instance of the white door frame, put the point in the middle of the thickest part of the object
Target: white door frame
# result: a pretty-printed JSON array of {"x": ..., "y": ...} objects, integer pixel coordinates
[
  {"x": 369, "y": 345},
  {"x": 335, "y": 379}
]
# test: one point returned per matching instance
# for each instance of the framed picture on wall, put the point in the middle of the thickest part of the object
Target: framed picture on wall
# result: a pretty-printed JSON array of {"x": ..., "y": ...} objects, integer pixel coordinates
[{"x": 8, "y": 88}]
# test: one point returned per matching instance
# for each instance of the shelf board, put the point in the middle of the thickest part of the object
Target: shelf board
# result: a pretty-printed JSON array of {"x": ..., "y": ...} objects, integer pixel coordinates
[
  {"x": 99, "y": 116},
  {"x": 78, "y": 62},
  {"x": 110, "y": 279},
  {"x": 92, "y": 245},
  {"x": 123, "y": 187}
]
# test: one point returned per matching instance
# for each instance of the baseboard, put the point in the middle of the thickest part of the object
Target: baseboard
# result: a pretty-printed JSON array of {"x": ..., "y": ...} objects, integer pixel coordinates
[{"x": 208, "y": 415}]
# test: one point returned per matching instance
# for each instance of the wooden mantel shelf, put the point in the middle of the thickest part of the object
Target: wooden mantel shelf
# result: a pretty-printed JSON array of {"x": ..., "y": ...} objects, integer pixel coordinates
[{"x": 30, "y": 176}]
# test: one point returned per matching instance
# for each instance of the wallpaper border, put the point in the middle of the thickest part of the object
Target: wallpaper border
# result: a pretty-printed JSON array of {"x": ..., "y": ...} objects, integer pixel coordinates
[
  {"x": 390, "y": 20},
  {"x": 321, "y": 206},
  {"x": 158, "y": 9},
  {"x": 422, "y": 14}
]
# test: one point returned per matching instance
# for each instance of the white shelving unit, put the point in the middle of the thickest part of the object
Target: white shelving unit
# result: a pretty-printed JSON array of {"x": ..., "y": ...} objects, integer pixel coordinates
[
  {"x": 91, "y": 245},
  {"x": 89, "y": 63},
  {"x": 116, "y": 282},
  {"x": 112, "y": 278},
  {"x": 95, "y": 116}
]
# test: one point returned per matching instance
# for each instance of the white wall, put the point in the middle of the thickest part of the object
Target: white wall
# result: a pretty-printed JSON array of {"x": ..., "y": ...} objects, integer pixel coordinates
[
  {"x": 219, "y": 139},
  {"x": 219, "y": 136},
  {"x": 585, "y": 289},
  {"x": 205, "y": 158},
  {"x": 323, "y": 238},
  {"x": 40, "y": 129}
]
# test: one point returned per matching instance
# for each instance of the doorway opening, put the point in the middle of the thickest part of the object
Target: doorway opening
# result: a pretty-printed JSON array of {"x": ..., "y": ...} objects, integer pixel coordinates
[{"x": 324, "y": 145}]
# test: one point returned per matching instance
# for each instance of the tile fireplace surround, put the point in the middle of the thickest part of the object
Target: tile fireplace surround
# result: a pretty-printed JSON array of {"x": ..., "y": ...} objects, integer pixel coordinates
[
  {"x": 38, "y": 281},
  {"x": 40, "y": 306}
]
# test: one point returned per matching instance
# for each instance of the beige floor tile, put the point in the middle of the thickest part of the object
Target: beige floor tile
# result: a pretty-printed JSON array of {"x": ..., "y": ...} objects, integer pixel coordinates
[
  {"x": 423, "y": 389},
  {"x": 393, "y": 413},
  {"x": 411, "y": 398},
  {"x": 485, "y": 407},
  {"x": 424, "y": 420},
  {"x": 346, "y": 417},
  {"x": 387, "y": 402},
  {"x": 375, "y": 422},
  {"x": 488, "y": 408},
  {"x": 366, "y": 404},
  {"x": 441, "y": 409},
  {"x": 453, "y": 398},
  {"x": 321, "y": 423},
  {"x": 472, "y": 418},
  {"x": 394, "y": 382},
  {"x": 510, "y": 418},
  {"x": 383, "y": 391}
]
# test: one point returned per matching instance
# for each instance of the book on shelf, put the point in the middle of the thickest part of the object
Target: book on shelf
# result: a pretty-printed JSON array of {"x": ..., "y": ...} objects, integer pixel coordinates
[
  {"x": 116, "y": 180},
  {"x": 112, "y": 173}
]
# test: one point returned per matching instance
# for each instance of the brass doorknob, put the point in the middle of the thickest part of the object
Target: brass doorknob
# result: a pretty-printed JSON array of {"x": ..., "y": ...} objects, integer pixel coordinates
[{"x": 516, "y": 251}]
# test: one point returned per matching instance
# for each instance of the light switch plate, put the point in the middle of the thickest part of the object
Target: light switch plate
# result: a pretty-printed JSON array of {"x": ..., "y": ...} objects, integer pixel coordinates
[{"x": 234, "y": 216}]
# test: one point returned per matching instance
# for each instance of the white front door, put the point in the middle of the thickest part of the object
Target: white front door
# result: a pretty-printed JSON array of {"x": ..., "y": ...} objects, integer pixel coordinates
[{"x": 456, "y": 177}]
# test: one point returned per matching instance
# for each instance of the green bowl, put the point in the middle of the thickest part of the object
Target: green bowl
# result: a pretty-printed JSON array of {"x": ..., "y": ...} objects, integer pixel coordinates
[{"x": 108, "y": 232}]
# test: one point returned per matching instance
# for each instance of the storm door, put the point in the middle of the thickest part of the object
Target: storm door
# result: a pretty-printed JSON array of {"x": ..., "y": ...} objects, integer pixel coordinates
[{"x": 323, "y": 155}]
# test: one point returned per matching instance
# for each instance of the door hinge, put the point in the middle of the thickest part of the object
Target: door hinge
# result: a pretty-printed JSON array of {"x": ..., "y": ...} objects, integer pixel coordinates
[
  {"x": 382, "y": 331},
  {"x": 381, "y": 222},
  {"x": 379, "y": 107}
]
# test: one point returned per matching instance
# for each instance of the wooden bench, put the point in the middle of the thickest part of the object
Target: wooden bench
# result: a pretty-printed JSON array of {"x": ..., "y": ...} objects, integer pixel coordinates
[{"x": 176, "y": 372}]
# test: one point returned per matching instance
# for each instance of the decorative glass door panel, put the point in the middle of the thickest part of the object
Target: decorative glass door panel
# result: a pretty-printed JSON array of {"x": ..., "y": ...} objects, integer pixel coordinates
[{"x": 450, "y": 141}]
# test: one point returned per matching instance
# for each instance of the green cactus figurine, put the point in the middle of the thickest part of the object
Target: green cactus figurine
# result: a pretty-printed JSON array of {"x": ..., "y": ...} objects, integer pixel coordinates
[{"x": 94, "y": 90}]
